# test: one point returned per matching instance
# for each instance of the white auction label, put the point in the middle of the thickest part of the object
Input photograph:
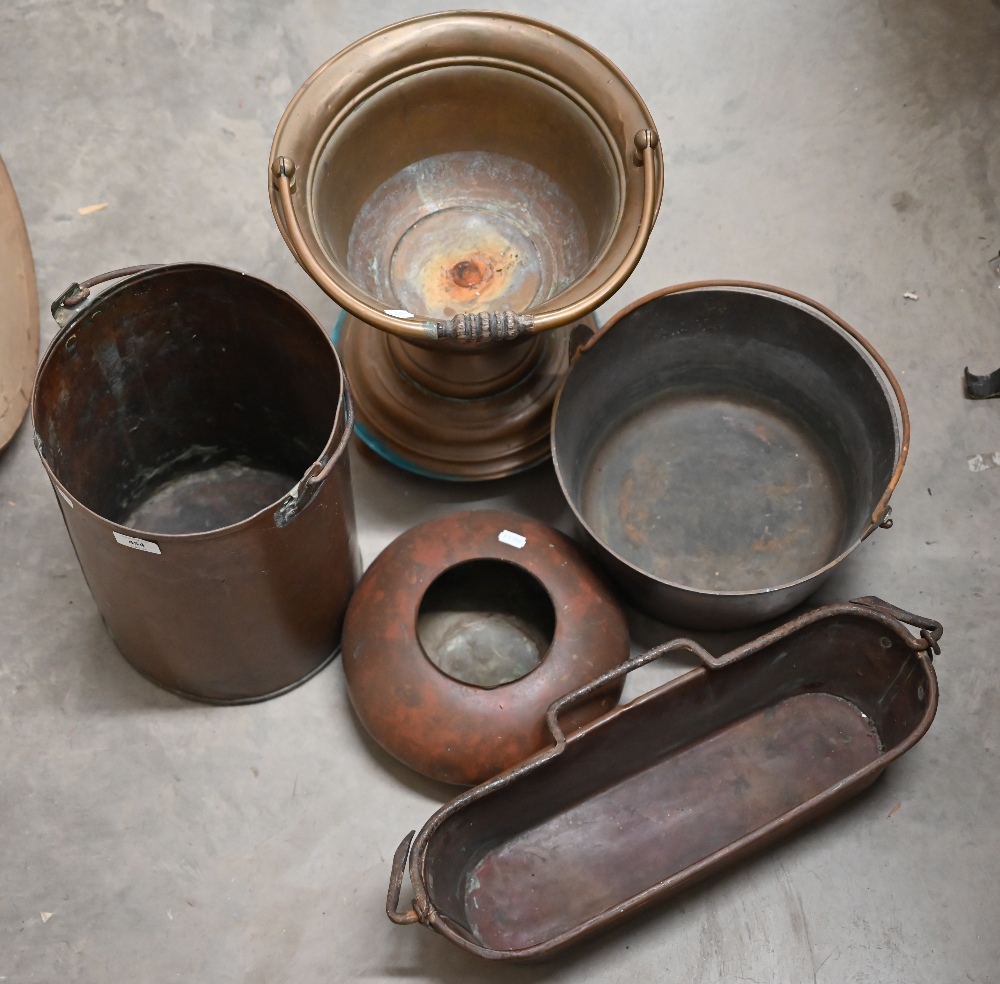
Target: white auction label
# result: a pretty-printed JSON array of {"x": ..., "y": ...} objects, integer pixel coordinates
[
  {"x": 512, "y": 539},
  {"x": 146, "y": 546}
]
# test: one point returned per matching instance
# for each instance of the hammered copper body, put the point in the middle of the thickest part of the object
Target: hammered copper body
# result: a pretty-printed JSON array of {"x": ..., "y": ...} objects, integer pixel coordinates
[{"x": 541, "y": 590}]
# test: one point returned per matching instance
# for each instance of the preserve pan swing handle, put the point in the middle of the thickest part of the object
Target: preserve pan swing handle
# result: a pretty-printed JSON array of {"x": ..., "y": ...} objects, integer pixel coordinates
[
  {"x": 396, "y": 885},
  {"x": 485, "y": 326},
  {"x": 559, "y": 705},
  {"x": 76, "y": 294}
]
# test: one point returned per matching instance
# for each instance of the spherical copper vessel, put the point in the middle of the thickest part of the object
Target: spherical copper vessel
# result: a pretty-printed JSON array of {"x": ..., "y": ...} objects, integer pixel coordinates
[
  {"x": 465, "y": 182},
  {"x": 462, "y": 633}
]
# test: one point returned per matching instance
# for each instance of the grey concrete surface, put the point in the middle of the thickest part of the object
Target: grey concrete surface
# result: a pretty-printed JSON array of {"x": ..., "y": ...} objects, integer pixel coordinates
[{"x": 850, "y": 151}]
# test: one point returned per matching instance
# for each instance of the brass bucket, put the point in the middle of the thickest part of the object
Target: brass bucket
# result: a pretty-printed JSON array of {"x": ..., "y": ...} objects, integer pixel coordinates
[
  {"x": 194, "y": 424},
  {"x": 464, "y": 182}
]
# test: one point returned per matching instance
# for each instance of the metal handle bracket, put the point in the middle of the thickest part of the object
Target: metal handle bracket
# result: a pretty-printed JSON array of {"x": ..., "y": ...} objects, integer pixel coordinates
[
  {"x": 930, "y": 629},
  {"x": 63, "y": 307},
  {"x": 310, "y": 484},
  {"x": 396, "y": 886}
]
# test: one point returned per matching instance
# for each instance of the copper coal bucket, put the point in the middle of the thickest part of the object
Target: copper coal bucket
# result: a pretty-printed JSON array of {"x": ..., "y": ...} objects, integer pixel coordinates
[
  {"x": 194, "y": 424},
  {"x": 465, "y": 182}
]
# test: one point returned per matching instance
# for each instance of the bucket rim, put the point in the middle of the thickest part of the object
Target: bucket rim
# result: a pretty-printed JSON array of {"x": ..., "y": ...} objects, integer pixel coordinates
[
  {"x": 329, "y": 456},
  {"x": 314, "y": 111}
]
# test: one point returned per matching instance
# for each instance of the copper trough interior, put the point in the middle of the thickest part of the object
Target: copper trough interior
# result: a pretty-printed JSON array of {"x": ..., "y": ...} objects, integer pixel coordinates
[{"x": 673, "y": 785}]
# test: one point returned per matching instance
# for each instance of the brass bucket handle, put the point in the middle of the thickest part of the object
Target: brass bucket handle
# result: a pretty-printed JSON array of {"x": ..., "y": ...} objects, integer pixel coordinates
[{"x": 486, "y": 326}]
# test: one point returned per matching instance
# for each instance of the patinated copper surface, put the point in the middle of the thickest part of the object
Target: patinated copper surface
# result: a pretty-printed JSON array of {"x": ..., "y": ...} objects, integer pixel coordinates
[
  {"x": 465, "y": 590},
  {"x": 467, "y": 231},
  {"x": 194, "y": 423},
  {"x": 674, "y": 786},
  {"x": 725, "y": 445},
  {"x": 18, "y": 312}
]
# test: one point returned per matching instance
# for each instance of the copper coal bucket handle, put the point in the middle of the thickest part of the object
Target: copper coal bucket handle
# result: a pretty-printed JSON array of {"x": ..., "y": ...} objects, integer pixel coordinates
[
  {"x": 74, "y": 295},
  {"x": 486, "y": 326}
]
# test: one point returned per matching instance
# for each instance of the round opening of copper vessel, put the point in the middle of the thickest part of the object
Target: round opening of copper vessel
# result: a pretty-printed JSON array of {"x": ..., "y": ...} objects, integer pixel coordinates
[{"x": 486, "y": 622}]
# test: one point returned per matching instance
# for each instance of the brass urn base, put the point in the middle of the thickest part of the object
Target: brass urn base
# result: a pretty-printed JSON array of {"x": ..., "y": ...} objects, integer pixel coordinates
[{"x": 451, "y": 411}]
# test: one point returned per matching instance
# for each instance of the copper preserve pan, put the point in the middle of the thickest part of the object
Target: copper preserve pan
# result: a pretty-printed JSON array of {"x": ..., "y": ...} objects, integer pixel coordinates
[
  {"x": 466, "y": 182},
  {"x": 675, "y": 785},
  {"x": 724, "y": 446}
]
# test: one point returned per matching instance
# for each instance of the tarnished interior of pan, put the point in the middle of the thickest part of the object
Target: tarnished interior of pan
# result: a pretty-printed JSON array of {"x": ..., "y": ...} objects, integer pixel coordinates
[
  {"x": 726, "y": 445},
  {"x": 739, "y": 445},
  {"x": 18, "y": 312}
]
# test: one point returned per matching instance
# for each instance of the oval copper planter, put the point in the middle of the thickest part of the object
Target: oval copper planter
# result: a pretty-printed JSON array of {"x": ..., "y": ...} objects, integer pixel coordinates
[
  {"x": 194, "y": 424},
  {"x": 445, "y": 627},
  {"x": 674, "y": 786},
  {"x": 724, "y": 446}
]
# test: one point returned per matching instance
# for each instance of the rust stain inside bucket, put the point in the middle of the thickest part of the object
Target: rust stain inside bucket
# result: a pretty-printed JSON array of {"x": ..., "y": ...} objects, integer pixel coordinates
[
  {"x": 466, "y": 232},
  {"x": 471, "y": 273}
]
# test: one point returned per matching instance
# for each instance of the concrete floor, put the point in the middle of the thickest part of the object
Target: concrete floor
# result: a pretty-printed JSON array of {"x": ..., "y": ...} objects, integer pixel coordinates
[{"x": 850, "y": 151}]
